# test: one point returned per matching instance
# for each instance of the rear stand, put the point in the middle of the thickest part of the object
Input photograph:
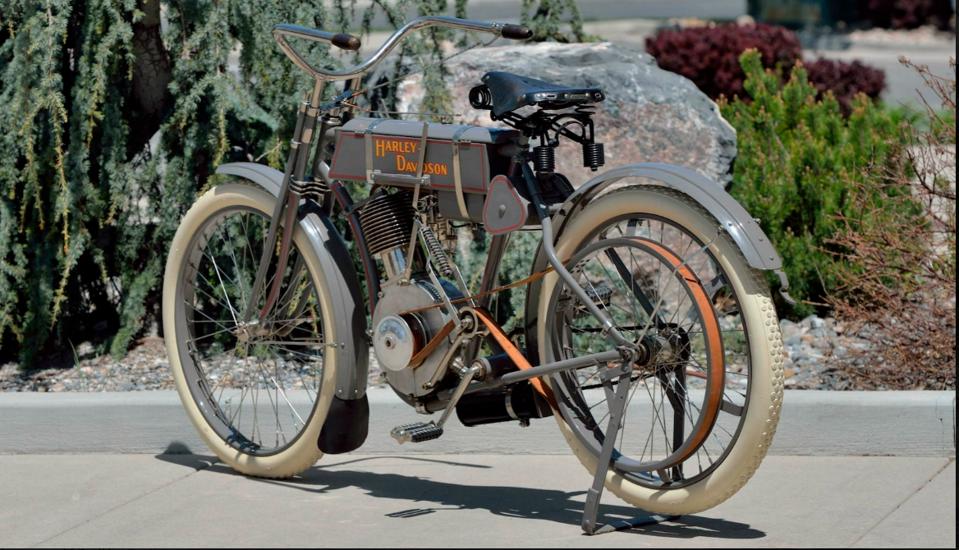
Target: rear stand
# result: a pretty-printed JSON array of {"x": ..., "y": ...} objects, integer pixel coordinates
[{"x": 617, "y": 407}]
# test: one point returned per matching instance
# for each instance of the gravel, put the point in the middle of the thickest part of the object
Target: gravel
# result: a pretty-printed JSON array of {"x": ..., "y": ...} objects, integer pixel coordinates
[{"x": 816, "y": 349}]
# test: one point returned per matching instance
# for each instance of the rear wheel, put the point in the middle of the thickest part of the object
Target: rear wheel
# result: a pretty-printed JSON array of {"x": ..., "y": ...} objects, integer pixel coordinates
[
  {"x": 257, "y": 390},
  {"x": 705, "y": 403}
]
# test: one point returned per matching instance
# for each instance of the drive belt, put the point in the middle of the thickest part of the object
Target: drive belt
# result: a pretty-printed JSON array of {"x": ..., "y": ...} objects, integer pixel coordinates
[{"x": 515, "y": 355}]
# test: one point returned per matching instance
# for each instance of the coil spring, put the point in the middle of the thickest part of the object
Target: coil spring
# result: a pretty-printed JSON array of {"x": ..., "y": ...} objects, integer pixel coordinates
[
  {"x": 593, "y": 155},
  {"x": 314, "y": 189},
  {"x": 481, "y": 97},
  {"x": 544, "y": 158},
  {"x": 438, "y": 254},
  {"x": 387, "y": 221}
]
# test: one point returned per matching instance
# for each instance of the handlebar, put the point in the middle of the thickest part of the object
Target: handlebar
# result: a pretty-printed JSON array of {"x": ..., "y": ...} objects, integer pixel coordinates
[{"x": 352, "y": 43}]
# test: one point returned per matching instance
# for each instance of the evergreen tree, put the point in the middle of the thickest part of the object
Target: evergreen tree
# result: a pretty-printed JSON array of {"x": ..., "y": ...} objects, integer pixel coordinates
[
  {"x": 114, "y": 115},
  {"x": 549, "y": 19},
  {"x": 109, "y": 127}
]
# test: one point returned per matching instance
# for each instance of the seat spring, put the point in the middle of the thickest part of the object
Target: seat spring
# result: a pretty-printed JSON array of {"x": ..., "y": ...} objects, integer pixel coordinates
[
  {"x": 593, "y": 156},
  {"x": 544, "y": 158}
]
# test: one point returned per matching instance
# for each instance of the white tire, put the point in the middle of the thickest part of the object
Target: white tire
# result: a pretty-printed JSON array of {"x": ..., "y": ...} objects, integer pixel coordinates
[
  {"x": 302, "y": 453},
  {"x": 764, "y": 344}
]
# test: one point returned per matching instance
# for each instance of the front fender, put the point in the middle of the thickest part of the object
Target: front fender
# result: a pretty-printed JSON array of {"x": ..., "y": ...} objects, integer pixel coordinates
[{"x": 349, "y": 315}]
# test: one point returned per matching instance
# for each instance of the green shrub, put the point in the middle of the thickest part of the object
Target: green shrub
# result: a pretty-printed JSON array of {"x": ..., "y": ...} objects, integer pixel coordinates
[{"x": 798, "y": 159}]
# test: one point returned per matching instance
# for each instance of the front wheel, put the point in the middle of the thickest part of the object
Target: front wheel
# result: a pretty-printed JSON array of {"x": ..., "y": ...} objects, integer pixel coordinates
[
  {"x": 257, "y": 388},
  {"x": 704, "y": 402}
]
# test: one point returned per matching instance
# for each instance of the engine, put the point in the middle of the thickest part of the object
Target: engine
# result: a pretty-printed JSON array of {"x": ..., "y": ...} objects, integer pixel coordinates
[
  {"x": 411, "y": 313},
  {"x": 399, "y": 334}
]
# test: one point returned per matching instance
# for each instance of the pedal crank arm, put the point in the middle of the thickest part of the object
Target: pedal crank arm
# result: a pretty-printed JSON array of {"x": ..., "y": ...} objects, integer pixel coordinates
[{"x": 458, "y": 393}]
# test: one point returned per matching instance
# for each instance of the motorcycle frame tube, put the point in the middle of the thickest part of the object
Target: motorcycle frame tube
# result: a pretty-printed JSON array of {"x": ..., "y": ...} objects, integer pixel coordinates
[
  {"x": 547, "y": 246},
  {"x": 490, "y": 272}
]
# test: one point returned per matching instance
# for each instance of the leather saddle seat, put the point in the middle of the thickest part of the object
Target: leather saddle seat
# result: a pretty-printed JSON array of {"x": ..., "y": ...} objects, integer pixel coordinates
[{"x": 510, "y": 91}]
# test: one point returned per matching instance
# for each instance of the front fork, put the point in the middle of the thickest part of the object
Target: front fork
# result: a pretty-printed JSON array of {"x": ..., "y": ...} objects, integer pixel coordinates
[{"x": 283, "y": 221}]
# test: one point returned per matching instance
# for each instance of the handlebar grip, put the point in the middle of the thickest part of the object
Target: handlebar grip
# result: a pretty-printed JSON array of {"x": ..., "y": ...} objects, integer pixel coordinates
[
  {"x": 516, "y": 32},
  {"x": 346, "y": 42}
]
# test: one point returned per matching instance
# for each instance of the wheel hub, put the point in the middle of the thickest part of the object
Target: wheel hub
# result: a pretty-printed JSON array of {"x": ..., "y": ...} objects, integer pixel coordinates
[
  {"x": 667, "y": 349},
  {"x": 250, "y": 331}
]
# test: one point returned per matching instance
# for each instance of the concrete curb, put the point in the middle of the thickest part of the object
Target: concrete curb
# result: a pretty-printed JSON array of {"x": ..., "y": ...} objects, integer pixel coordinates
[{"x": 910, "y": 423}]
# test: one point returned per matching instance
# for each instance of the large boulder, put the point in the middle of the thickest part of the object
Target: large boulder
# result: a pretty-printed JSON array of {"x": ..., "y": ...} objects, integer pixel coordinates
[{"x": 649, "y": 115}]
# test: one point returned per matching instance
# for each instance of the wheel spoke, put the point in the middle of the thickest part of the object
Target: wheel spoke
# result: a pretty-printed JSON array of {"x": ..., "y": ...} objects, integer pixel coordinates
[
  {"x": 651, "y": 301},
  {"x": 267, "y": 358}
]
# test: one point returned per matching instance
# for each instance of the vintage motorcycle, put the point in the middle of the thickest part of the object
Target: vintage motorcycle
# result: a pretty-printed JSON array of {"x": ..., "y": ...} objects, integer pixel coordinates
[{"x": 648, "y": 332}]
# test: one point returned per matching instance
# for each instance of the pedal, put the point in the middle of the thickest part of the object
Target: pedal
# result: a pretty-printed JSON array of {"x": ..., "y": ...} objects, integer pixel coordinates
[
  {"x": 425, "y": 431},
  {"x": 416, "y": 432},
  {"x": 599, "y": 294}
]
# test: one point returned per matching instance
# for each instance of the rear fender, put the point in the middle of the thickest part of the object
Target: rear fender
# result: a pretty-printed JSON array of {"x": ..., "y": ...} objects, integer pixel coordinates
[{"x": 730, "y": 215}]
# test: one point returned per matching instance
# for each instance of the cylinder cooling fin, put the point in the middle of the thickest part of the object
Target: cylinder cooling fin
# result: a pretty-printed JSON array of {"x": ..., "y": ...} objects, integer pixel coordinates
[{"x": 387, "y": 221}]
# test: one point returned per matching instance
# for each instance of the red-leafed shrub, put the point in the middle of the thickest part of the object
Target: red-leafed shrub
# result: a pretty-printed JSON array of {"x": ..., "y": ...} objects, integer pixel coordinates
[
  {"x": 846, "y": 80},
  {"x": 906, "y": 14},
  {"x": 709, "y": 56}
]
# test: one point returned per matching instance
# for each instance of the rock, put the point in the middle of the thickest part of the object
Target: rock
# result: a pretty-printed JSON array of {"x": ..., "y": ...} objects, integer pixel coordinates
[
  {"x": 649, "y": 115},
  {"x": 793, "y": 341},
  {"x": 815, "y": 322}
]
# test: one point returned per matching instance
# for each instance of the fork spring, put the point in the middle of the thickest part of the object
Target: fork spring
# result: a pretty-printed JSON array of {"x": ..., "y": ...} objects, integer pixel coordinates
[{"x": 314, "y": 189}]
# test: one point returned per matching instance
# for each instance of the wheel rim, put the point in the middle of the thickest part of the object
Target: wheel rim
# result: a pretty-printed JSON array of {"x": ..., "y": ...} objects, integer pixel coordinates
[
  {"x": 586, "y": 411},
  {"x": 255, "y": 383}
]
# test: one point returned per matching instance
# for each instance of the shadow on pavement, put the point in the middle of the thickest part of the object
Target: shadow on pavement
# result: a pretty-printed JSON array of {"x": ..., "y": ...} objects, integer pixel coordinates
[{"x": 438, "y": 497}]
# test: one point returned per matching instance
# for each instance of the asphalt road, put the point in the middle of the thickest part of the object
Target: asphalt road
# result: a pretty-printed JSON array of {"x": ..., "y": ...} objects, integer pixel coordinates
[{"x": 456, "y": 501}]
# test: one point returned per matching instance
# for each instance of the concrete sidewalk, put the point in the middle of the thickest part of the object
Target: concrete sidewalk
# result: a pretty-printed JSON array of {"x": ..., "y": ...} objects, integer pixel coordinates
[
  {"x": 904, "y": 423},
  {"x": 454, "y": 501}
]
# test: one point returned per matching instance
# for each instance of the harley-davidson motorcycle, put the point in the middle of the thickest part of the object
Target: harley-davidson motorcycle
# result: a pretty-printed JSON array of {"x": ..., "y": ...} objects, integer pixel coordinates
[{"x": 648, "y": 333}]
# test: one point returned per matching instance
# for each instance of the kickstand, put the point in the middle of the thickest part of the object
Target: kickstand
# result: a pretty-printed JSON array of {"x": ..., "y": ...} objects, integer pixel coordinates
[{"x": 617, "y": 407}]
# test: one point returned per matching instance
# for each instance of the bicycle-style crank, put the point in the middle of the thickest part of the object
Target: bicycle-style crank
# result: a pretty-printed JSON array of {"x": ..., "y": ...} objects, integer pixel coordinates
[{"x": 468, "y": 327}]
